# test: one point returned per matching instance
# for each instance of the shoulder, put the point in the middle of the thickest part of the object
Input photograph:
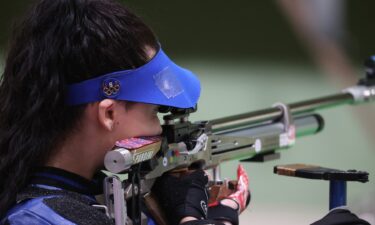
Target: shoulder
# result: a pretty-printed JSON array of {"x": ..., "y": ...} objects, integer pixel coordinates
[
  {"x": 56, "y": 210},
  {"x": 77, "y": 211},
  {"x": 35, "y": 211}
]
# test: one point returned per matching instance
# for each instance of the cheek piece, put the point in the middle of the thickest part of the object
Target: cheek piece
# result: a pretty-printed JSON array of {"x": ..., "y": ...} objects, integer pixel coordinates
[{"x": 159, "y": 82}]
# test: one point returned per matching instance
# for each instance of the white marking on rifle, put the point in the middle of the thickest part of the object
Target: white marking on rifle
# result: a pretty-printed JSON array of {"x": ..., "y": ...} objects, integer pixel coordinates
[
  {"x": 165, "y": 161},
  {"x": 142, "y": 156},
  {"x": 258, "y": 145},
  {"x": 283, "y": 140}
]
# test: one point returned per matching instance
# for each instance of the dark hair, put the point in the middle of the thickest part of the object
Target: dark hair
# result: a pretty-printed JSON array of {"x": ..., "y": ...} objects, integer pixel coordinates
[{"x": 59, "y": 42}]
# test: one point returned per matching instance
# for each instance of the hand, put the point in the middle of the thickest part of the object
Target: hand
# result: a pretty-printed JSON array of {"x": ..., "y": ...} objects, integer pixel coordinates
[
  {"x": 242, "y": 194},
  {"x": 183, "y": 196},
  {"x": 227, "y": 208}
]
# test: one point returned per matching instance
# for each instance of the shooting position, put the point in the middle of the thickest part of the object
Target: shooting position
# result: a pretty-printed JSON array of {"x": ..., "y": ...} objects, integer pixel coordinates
[{"x": 84, "y": 77}]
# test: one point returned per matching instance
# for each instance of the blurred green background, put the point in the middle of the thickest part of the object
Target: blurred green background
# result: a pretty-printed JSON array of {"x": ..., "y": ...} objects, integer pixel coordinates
[
  {"x": 248, "y": 57},
  {"x": 230, "y": 30}
]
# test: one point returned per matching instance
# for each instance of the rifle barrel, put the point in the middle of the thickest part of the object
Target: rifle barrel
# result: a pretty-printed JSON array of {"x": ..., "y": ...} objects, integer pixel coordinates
[{"x": 273, "y": 113}]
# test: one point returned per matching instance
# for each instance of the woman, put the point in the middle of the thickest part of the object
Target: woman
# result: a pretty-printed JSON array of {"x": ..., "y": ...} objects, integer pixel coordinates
[{"x": 79, "y": 76}]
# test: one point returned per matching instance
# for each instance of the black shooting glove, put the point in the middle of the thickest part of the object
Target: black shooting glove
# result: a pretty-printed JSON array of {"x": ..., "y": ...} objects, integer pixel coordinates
[
  {"x": 182, "y": 196},
  {"x": 221, "y": 212},
  {"x": 340, "y": 216}
]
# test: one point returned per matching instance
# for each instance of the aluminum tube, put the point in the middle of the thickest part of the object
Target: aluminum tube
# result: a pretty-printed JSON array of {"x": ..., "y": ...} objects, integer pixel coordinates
[
  {"x": 273, "y": 113},
  {"x": 321, "y": 103},
  {"x": 305, "y": 125}
]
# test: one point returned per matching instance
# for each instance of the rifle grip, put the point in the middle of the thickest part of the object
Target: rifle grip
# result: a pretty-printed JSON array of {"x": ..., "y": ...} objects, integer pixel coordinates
[
  {"x": 155, "y": 210},
  {"x": 221, "y": 191}
]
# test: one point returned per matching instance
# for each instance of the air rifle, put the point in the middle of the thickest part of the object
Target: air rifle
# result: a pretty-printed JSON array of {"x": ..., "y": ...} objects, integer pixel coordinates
[{"x": 252, "y": 136}]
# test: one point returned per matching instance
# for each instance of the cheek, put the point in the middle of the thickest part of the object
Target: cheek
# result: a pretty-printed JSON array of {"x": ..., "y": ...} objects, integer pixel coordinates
[
  {"x": 141, "y": 124},
  {"x": 151, "y": 127}
]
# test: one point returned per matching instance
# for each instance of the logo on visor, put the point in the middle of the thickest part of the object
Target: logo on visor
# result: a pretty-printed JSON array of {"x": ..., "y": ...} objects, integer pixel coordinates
[
  {"x": 167, "y": 82},
  {"x": 111, "y": 87}
]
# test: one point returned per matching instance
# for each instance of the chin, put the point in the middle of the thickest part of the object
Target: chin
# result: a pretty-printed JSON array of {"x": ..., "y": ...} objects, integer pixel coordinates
[
  {"x": 159, "y": 131},
  {"x": 156, "y": 129}
]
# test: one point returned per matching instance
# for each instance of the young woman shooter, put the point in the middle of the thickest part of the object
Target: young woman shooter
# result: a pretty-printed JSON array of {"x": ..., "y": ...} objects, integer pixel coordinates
[{"x": 79, "y": 76}]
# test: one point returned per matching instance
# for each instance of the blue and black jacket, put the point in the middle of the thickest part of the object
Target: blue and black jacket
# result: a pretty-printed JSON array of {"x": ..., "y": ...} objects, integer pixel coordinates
[{"x": 56, "y": 197}]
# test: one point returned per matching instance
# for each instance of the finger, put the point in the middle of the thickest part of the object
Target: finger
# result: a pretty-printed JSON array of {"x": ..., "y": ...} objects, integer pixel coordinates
[
  {"x": 243, "y": 180},
  {"x": 209, "y": 175}
]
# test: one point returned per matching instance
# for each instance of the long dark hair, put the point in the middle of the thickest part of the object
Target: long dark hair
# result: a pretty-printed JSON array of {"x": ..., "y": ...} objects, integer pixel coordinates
[{"x": 59, "y": 42}]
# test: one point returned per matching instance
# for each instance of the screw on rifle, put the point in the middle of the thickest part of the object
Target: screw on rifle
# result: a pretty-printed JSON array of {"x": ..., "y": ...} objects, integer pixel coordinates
[{"x": 135, "y": 189}]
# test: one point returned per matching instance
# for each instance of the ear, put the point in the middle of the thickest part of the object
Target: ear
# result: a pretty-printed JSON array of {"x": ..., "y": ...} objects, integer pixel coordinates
[{"x": 106, "y": 113}]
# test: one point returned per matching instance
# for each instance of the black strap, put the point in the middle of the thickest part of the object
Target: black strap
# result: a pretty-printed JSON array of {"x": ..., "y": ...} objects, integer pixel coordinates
[{"x": 136, "y": 200}]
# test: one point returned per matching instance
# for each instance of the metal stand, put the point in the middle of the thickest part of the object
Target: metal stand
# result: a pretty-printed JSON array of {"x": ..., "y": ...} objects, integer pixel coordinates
[
  {"x": 337, "y": 193},
  {"x": 337, "y": 179}
]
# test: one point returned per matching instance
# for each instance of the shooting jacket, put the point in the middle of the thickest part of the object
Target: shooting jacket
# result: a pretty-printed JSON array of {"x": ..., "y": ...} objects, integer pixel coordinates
[{"x": 55, "y": 197}]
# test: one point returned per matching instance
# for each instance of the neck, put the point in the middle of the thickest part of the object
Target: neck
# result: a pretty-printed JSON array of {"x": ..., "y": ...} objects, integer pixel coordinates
[{"x": 82, "y": 153}]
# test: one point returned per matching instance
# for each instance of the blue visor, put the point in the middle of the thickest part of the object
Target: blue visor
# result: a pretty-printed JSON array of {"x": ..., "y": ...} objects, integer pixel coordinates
[{"x": 159, "y": 82}]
